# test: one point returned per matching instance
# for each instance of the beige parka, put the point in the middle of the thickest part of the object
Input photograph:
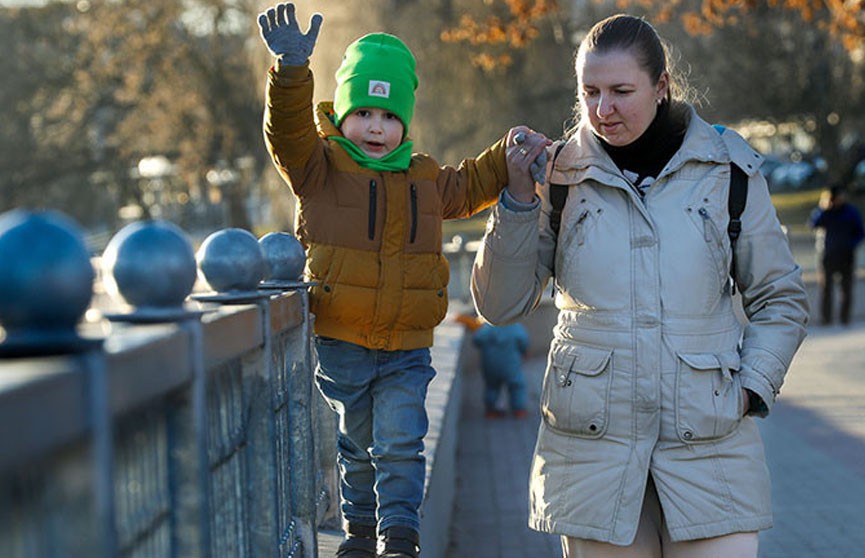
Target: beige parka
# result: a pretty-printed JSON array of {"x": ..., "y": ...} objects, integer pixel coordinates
[{"x": 648, "y": 359}]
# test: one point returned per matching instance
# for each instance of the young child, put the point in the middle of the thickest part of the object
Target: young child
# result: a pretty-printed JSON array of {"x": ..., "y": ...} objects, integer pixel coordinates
[
  {"x": 502, "y": 350},
  {"x": 369, "y": 216}
]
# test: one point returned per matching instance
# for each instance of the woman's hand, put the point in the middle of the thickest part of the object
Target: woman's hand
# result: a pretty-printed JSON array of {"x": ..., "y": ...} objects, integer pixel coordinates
[{"x": 520, "y": 156}]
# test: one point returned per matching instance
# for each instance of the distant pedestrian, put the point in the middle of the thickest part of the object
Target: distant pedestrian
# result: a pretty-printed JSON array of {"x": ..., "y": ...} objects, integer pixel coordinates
[
  {"x": 502, "y": 351},
  {"x": 839, "y": 232}
]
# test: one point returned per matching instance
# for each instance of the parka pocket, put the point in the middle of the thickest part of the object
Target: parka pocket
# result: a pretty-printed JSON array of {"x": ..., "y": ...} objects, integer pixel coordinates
[
  {"x": 576, "y": 392},
  {"x": 708, "y": 396}
]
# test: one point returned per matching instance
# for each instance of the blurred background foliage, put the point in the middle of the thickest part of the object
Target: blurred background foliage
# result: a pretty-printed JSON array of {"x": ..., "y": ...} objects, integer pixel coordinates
[{"x": 115, "y": 110}]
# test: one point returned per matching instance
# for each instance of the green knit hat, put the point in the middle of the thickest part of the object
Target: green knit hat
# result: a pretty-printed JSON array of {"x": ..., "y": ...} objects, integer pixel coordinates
[{"x": 378, "y": 71}]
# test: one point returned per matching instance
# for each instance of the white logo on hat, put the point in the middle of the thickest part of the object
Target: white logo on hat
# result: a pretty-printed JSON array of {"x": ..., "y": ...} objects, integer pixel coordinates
[{"x": 379, "y": 89}]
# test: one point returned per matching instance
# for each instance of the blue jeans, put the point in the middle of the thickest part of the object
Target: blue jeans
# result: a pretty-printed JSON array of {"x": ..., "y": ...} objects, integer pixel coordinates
[{"x": 379, "y": 397}]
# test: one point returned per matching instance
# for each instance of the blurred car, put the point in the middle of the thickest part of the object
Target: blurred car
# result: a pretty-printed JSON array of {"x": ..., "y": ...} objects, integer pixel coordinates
[
  {"x": 791, "y": 176},
  {"x": 770, "y": 163},
  {"x": 859, "y": 175}
]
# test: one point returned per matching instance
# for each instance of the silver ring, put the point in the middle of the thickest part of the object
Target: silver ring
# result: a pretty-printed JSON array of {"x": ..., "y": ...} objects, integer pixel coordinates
[{"x": 523, "y": 151}]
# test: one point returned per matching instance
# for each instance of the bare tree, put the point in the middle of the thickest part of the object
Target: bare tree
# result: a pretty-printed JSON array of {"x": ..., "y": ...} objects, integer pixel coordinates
[
  {"x": 179, "y": 81},
  {"x": 93, "y": 89},
  {"x": 45, "y": 148},
  {"x": 795, "y": 61},
  {"x": 98, "y": 87}
]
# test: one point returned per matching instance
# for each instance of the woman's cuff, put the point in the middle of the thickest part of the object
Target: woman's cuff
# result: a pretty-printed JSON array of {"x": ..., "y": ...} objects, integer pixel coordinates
[
  {"x": 756, "y": 405},
  {"x": 513, "y": 204}
]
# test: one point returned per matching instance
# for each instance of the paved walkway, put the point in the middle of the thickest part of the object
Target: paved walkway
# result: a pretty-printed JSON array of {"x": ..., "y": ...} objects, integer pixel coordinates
[{"x": 815, "y": 443}]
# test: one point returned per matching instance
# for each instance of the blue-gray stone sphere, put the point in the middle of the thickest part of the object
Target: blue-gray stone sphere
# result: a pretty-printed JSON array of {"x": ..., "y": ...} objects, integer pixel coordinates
[
  {"x": 232, "y": 260},
  {"x": 46, "y": 278},
  {"x": 284, "y": 254},
  {"x": 149, "y": 264}
]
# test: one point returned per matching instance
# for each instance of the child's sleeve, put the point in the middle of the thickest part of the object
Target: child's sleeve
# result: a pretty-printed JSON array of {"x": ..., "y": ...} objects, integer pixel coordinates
[
  {"x": 475, "y": 184},
  {"x": 289, "y": 127}
]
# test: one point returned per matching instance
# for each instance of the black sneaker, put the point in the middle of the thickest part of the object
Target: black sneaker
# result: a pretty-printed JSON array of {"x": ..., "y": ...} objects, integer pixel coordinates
[
  {"x": 359, "y": 542},
  {"x": 399, "y": 542}
]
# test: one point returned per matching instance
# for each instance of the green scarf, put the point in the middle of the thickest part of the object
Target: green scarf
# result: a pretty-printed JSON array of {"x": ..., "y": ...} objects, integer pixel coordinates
[{"x": 397, "y": 160}]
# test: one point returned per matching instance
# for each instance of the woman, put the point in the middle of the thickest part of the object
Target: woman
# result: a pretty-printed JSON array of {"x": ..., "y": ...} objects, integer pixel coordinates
[{"x": 647, "y": 445}]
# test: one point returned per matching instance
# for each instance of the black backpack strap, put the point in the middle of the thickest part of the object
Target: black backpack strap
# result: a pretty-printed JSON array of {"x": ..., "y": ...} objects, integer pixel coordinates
[
  {"x": 558, "y": 196},
  {"x": 738, "y": 196}
]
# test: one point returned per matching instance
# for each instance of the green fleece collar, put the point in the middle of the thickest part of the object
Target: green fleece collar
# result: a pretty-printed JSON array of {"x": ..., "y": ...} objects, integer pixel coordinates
[{"x": 396, "y": 161}]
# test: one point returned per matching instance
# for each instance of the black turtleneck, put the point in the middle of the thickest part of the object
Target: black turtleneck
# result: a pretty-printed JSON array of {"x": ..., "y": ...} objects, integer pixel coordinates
[{"x": 647, "y": 155}]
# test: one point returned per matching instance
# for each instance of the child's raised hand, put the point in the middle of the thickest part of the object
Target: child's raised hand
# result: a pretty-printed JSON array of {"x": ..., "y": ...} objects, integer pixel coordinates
[{"x": 283, "y": 36}]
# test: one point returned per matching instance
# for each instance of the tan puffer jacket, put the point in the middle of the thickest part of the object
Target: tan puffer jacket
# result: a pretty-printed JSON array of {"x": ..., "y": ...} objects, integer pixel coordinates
[{"x": 373, "y": 239}]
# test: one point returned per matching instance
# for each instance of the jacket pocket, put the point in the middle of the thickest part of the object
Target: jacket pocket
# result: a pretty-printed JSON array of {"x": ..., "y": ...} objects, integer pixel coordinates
[
  {"x": 576, "y": 392},
  {"x": 708, "y": 396}
]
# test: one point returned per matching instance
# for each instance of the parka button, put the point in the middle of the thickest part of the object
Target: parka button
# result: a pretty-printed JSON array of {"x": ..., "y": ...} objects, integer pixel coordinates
[
  {"x": 687, "y": 435},
  {"x": 327, "y": 288},
  {"x": 440, "y": 293}
]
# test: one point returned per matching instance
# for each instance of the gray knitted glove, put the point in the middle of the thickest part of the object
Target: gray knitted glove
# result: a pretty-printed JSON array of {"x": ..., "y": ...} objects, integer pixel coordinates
[
  {"x": 283, "y": 36},
  {"x": 538, "y": 168}
]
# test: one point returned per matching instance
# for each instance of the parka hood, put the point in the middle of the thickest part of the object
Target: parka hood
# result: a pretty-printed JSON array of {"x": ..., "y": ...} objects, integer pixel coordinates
[{"x": 324, "y": 120}]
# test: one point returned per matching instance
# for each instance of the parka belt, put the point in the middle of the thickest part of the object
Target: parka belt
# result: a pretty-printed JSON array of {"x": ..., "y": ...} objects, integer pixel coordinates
[{"x": 624, "y": 321}]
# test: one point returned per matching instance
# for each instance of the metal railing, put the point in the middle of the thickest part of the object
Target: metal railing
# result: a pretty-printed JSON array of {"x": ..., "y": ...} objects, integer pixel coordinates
[
  {"x": 190, "y": 439},
  {"x": 184, "y": 430},
  {"x": 191, "y": 432}
]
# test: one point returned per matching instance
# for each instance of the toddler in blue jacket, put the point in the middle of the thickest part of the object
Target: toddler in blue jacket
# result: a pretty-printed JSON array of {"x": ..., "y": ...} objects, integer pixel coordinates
[{"x": 502, "y": 351}]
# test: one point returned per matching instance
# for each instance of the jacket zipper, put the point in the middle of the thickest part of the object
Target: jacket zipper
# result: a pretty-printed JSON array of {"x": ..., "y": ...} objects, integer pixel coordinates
[
  {"x": 581, "y": 237},
  {"x": 372, "y": 208},
  {"x": 711, "y": 235},
  {"x": 413, "y": 234}
]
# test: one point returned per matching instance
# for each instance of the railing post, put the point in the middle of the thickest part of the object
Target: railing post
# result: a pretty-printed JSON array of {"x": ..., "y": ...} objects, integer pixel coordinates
[
  {"x": 93, "y": 366},
  {"x": 286, "y": 260},
  {"x": 261, "y": 455},
  {"x": 233, "y": 263},
  {"x": 189, "y": 472},
  {"x": 303, "y": 455},
  {"x": 151, "y": 266},
  {"x": 44, "y": 292}
]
